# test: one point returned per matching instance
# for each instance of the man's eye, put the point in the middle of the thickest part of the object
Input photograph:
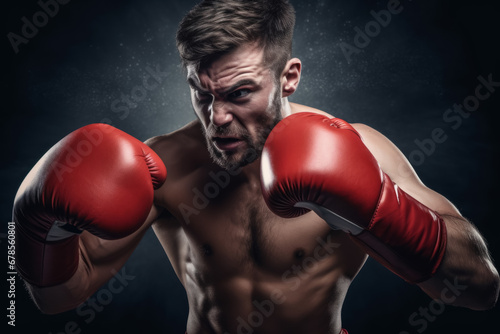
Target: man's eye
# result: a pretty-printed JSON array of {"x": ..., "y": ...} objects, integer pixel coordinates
[
  {"x": 239, "y": 93},
  {"x": 203, "y": 96}
]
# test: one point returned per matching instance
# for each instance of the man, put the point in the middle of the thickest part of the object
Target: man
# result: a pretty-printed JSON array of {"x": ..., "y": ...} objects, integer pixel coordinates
[{"x": 86, "y": 205}]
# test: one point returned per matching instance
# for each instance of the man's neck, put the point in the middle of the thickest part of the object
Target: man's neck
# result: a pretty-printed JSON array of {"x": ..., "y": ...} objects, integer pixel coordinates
[
  {"x": 251, "y": 172},
  {"x": 286, "y": 108}
]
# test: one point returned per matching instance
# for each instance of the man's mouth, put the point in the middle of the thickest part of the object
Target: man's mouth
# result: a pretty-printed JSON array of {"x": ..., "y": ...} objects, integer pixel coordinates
[{"x": 227, "y": 143}]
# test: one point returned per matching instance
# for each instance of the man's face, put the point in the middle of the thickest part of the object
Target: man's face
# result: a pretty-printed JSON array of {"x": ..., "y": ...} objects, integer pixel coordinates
[{"x": 238, "y": 103}]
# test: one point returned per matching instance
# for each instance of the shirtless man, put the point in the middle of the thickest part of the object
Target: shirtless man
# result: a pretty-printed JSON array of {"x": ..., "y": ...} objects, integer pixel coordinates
[{"x": 86, "y": 205}]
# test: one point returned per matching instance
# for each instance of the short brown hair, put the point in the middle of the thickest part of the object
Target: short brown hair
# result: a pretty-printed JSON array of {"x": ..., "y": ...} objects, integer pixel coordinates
[{"x": 215, "y": 27}]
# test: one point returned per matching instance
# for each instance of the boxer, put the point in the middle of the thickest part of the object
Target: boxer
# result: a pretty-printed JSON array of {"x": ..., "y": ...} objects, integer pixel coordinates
[{"x": 269, "y": 210}]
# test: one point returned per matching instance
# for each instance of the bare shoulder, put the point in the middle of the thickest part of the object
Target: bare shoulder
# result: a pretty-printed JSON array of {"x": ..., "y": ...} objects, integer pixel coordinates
[
  {"x": 183, "y": 152},
  {"x": 295, "y": 107},
  {"x": 390, "y": 158},
  {"x": 180, "y": 148},
  {"x": 394, "y": 163},
  {"x": 188, "y": 134}
]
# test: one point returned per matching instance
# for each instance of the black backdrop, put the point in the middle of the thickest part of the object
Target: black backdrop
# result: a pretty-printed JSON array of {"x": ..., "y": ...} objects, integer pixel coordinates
[{"x": 82, "y": 62}]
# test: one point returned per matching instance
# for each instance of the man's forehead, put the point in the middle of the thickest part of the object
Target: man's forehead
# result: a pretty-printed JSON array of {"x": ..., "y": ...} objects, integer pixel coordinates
[{"x": 245, "y": 61}]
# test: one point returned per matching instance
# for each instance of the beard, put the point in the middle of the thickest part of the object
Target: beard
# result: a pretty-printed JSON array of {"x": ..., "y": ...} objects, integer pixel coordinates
[{"x": 230, "y": 160}]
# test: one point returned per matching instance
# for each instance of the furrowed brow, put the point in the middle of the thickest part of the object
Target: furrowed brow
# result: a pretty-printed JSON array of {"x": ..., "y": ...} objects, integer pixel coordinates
[
  {"x": 240, "y": 83},
  {"x": 223, "y": 91},
  {"x": 195, "y": 85}
]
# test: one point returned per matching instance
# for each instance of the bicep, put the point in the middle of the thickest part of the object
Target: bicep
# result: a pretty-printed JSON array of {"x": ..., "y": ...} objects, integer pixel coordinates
[{"x": 393, "y": 162}]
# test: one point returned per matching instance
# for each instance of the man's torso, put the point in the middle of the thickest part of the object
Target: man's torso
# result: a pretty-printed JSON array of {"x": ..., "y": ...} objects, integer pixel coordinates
[{"x": 244, "y": 268}]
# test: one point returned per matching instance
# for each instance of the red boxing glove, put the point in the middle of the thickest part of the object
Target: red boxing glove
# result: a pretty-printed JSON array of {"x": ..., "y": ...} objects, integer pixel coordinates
[
  {"x": 312, "y": 162},
  {"x": 98, "y": 179}
]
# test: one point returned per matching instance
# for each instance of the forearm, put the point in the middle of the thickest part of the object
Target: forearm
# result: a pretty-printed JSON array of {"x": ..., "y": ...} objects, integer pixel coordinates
[
  {"x": 65, "y": 296},
  {"x": 98, "y": 261},
  {"x": 466, "y": 276}
]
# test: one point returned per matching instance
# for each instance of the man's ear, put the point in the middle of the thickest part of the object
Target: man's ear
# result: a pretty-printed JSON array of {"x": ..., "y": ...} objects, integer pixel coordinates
[{"x": 290, "y": 77}]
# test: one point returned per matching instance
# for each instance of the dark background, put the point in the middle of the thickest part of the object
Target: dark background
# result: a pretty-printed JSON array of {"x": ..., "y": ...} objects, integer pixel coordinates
[{"x": 427, "y": 59}]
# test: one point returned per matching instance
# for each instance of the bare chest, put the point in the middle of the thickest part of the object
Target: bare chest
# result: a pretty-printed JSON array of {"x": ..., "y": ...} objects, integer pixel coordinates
[{"x": 229, "y": 227}]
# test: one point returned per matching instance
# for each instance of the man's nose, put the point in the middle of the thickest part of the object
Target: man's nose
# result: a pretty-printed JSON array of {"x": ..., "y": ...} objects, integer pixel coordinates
[{"x": 220, "y": 114}]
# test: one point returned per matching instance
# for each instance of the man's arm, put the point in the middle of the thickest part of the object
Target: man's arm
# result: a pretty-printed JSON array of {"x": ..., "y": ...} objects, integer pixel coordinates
[
  {"x": 466, "y": 276},
  {"x": 98, "y": 262},
  {"x": 81, "y": 211}
]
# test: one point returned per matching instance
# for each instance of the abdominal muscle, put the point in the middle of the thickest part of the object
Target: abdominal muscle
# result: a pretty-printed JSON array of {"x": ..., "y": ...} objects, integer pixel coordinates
[
  {"x": 304, "y": 295},
  {"x": 235, "y": 307}
]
